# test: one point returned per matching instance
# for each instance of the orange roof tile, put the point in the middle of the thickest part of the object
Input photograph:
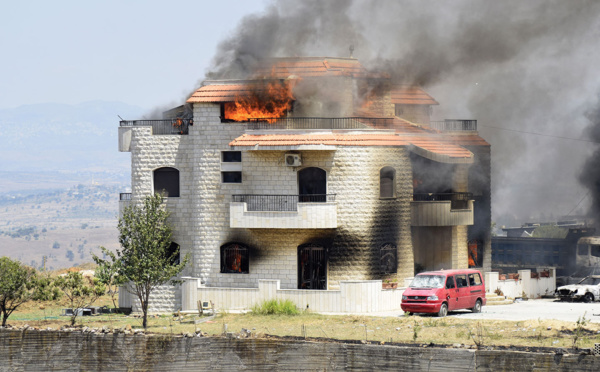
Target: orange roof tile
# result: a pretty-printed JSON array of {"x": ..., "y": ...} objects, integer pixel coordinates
[
  {"x": 429, "y": 146},
  {"x": 411, "y": 95},
  {"x": 224, "y": 92}
]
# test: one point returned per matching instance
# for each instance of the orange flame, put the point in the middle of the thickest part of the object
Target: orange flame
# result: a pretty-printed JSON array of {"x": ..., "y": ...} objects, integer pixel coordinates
[{"x": 270, "y": 100}]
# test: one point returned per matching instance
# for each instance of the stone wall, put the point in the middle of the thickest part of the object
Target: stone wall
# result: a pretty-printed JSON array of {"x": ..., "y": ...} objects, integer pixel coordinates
[{"x": 78, "y": 351}]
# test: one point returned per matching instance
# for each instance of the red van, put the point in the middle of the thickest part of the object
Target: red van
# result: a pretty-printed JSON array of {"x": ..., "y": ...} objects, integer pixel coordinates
[{"x": 443, "y": 291}]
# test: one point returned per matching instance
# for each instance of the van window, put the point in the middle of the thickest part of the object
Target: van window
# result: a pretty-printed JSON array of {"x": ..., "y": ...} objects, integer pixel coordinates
[
  {"x": 450, "y": 282},
  {"x": 427, "y": 281},
  {"x": 461, "y": 281},
  {"x": 474, "y": 279}
]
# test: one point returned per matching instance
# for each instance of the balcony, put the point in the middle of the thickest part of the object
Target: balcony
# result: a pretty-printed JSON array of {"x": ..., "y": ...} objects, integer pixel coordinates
[
  {"x": 162, "y": 127},
  {"x": 451, "y": 125},
  {"x": 288, "y": 123},
  {"x": 442, "y": 209},
  {"x": 283, "y": 211},
  {"x": 124, "y": 202}
]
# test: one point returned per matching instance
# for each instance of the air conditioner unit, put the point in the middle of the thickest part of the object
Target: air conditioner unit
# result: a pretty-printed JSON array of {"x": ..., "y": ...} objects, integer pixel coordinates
[{"x": 293, "y": 160}]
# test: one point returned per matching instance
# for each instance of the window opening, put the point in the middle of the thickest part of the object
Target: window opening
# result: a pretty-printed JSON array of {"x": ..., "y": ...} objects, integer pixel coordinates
[
  {"x": 174, "y": 253},
  {"x": 231, "y": 156},
  {"x": 388, "y": 259},
  {"x": 450, "y": 283},
  {"x": 387, "y": 176},
  {"x": 312, "y": 185},
  {"x": 461, "y": 281},
  {"x": 234, "y": 259},
  {"x": 312, "y": 267},
  {"x": 231, "y": 177},
  {"x": 595, "y": 251},
  {"x": 166, "y": 180}
]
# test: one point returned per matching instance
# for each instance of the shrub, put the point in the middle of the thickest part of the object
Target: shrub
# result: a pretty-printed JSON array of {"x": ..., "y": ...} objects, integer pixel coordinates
[{"x": 275, "y": 307}]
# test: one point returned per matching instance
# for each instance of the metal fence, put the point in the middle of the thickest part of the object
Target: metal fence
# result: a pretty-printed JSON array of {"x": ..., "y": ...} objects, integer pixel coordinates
[
  {"x": 319, "y": 123},
  {"x": 280, "y": 203},
  {"x": 125, "y": 196},
  {"x": 458, "y": 200},
  {"x": 161, "y": 127},
  {"x": 454, "y": 125}
]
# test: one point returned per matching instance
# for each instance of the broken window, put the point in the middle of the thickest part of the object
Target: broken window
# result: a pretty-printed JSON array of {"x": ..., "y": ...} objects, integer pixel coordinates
[
  {"x": 387, "y": 176},
  {"x": 388, "y": 261},
  {"x": 173, "y": 253},
  {"x": 166, "y": 180},
  {"x": 234, "y": 259},
  {"x": 595, "y": 250},
  {"x": 312, "y": 267},
  {"x": 461, "y": 281}
]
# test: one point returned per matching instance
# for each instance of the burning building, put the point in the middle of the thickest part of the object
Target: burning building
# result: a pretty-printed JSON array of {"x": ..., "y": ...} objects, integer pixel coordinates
[{"x": 314, "y": 172}]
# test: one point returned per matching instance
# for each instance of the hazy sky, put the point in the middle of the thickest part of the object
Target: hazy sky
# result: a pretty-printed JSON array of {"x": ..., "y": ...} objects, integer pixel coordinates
[{"x": 145, "y": 53}]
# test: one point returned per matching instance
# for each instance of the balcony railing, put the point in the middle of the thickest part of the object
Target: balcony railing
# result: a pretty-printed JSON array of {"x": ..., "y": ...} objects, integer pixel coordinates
[
  {"x": 458, "y": 200},
  {"x": 280, "y": 203},
  {"x": 161, "y": 127},
  {"x": 125, "y": 196},
  {"x": 319, "y": 123},
  {"x": 452, "y": 125}
]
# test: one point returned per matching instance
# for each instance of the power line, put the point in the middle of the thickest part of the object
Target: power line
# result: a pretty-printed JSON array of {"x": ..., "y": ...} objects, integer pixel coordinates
[
  {"x": 540, "y": 134},
  {"x": 582, "y": 199}
]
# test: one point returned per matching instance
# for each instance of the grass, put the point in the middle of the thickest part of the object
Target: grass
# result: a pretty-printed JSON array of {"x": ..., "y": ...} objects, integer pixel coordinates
[
  {"x": 275, "y": 307},
  {"x": 427, "y": 329}
]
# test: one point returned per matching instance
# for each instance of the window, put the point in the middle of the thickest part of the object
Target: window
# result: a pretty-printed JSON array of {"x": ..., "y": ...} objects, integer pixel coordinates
[
  {"x": 174, "y": 253},
  {"x": 231, "y": 166},
  {"x": 234, "y": 259},
  {"x": 166, "y": 180},
  {"x": 312, "y": 266},
  {"x": 388, "y": 258},
  {"x": 461, "y": 281},
  {"x": 450, "y": 282},
  {"x": 231, "y": 156},
  {"x": 595, "y": 250},
  {"x": 387, "y": 177},
  {"x": 474, "y": 279}
]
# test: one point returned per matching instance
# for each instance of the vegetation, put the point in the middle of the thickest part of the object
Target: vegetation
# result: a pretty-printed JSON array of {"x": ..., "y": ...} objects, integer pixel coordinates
[
  {"x": 107, "y": 273},
  {"x": 16, "y": 283},
  {"x": 275, "y": 307},
  {"x": 144, "y": 259},
  {"x": 80, "y": 291},
  {"x": 550, "y": 231}
]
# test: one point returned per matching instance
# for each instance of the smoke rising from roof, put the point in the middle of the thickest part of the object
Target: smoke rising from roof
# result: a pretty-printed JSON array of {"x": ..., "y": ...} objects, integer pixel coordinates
[{"x": 513, "y": 65}]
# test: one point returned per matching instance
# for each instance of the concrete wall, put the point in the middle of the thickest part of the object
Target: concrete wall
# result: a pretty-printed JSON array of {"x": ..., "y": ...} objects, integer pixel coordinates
[
  {"x": 352, "y": 297},
  {"x": 525, "y": 286},
  {"x": 79, "y": 351}
]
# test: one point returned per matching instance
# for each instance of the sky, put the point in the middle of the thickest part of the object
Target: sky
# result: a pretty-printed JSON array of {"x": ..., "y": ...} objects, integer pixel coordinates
[{"x": 145, "y": 53}]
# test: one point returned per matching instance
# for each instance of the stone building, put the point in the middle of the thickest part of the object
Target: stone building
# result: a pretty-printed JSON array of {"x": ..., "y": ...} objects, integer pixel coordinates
[{"x": 347, "y": 178}]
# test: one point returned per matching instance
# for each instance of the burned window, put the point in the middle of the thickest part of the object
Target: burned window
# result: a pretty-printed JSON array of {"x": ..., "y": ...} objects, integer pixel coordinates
[
  {"x": 595, "y": 251},
  {"x": 582, "y": 250},
  {"x": 387, "y": 176},
  {"x": 166, "y": 180},
  {"x": 234, "y": 259},
  {"x": 388, "y": 258},
  {"x": 312, "y": 267},
  {"x": 475, "y": 250},
  {"x": 173, "y": 254}
]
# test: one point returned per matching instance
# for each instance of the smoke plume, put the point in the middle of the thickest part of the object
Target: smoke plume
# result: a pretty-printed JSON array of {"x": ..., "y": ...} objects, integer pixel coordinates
[{"x": 516, "y": 66}]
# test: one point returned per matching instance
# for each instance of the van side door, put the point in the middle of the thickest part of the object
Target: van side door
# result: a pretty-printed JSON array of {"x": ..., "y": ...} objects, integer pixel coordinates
[
  {"x": 452, "y": 293},
  {"x": 476, "y": 288},
  {"x": 463, "y": 291}
]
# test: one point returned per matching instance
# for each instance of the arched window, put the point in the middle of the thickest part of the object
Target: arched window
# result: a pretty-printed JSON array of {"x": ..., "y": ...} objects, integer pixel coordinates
[
  {"x": 166, "y": 180},
  {"x": 174, "y": 253},
  {"x": 387, "y": 181},
  {"x": 388, "y": 258},
  {"x": 312, "y": 185},
  {"x": 234, "y": 259}
]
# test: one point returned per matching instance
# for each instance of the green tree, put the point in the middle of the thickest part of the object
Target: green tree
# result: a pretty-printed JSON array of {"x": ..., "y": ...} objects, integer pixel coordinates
[
  {"x": 145, "y": 261},
  {"x": 107, "y": 272},
  {"x": 80, "y": 291},
  {"x": 16, "y": 284}
]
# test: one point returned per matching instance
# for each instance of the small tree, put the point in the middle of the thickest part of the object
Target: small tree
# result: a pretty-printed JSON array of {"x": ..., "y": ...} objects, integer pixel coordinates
[
  {"x": 81, "y": 291},
  {"x": 16, "y": 284},
  {"x": 145, "y": 260},
  {"x": 107, "y": 273}
]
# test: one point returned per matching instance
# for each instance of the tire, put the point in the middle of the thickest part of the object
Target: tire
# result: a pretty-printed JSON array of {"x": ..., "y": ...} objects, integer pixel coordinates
[
  {"x": 477, "y": 307},
  {"x": 588, "y": 297},
  {"x": 443, "y": 310},
  {"x": 410, "y": 313}
]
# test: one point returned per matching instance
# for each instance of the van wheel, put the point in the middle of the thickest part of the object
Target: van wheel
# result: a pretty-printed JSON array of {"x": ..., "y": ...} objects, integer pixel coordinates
[
  {"x": 588, "y": 297},
  {"x": 477, "y": 307},
  {"x": 443, "y": 310}
]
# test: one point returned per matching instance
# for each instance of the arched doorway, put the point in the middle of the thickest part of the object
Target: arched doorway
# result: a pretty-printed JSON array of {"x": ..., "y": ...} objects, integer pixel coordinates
[{"x": 312, "y": 185}]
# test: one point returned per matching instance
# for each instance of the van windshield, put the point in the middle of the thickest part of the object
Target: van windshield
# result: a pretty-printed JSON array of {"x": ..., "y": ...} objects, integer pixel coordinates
[{"x": 428, "y": 281}]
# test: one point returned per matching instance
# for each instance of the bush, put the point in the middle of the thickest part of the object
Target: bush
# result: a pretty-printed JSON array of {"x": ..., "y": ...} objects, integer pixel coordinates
[{"x": 275, "y": 307}]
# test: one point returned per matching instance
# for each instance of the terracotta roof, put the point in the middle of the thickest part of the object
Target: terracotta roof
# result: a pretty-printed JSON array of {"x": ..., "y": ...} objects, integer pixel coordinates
[
  {"x": 431, "y": 147},
  {"x": 223, "y": 92},
  {"x": 411, "y": 95}
]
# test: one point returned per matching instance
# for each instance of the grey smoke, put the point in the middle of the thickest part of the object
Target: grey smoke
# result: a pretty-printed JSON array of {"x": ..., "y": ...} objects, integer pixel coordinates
[{"x": 521, "y": 65}]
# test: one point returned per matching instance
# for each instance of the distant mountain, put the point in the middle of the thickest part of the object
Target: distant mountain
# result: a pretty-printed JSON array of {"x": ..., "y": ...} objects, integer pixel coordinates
[{"x": 61, "y": 137}]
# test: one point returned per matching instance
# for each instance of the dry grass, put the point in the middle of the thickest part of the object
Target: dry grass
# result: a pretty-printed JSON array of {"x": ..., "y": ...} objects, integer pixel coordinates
[{"x": 413, "y": 329}]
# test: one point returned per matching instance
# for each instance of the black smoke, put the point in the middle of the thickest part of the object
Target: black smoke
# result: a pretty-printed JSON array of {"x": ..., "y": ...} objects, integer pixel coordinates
[
  {"x": 590, "y": 175},
  {"x": 516, "y": 66}
]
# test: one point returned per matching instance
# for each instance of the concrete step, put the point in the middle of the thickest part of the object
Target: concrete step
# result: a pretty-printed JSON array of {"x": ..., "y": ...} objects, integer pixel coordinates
[{"x": 493, "y": 299}]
